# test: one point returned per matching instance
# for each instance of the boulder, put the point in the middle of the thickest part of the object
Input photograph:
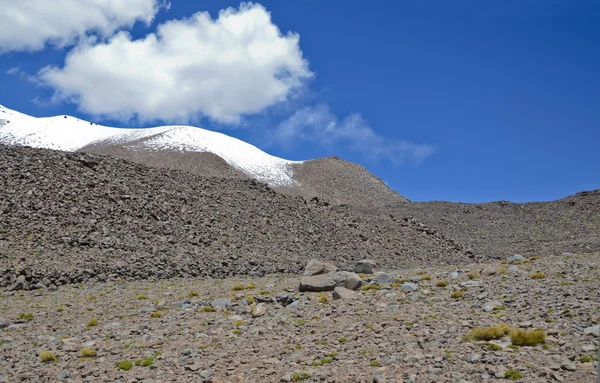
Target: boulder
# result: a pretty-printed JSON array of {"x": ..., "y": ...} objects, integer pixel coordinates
[
  {"x": 329, "y": 281},
  {"x": 384, "y": 279},
  {"x": 315, "y": 267},
  {"x": 343, "y": 293},
  {"x": 365, "y": 266}
]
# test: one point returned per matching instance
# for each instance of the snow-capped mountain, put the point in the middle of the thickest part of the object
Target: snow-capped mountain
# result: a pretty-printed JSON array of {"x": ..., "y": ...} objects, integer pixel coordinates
[
  {"x": 202, "y": 152},
  {"x": 72, "y": 134}
]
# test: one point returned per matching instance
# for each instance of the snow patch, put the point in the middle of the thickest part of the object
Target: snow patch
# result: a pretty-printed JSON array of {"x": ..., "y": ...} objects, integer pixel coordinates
[{"x": 68, "y": 133}]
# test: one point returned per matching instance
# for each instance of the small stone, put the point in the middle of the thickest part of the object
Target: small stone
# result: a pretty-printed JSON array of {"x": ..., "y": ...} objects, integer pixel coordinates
[
  {"x": 64, "y": 375},
  {"x": 409, "y": 287},
  {"x": 315, "y": 267},
  {"x": 515, "y": 258},
  {"x": 259, "y": 310},
  {"x": 343, "y": 293},
  {"x": 365, "y": 266},
  {"x": 569, "y": 366},
  {"x": 491, "y": 305},
  {"x": 513, "y": 269},
  {"x": 220, "y": 303},
  {"x": 588, "y": 347},
  {"x": 595, "y": 330},
  {"x": 206, "y": 373},
  {"x": 384, "y": 279},
  {"x": 474, "y": 358},
  {"x": 193, "y": 367},
  {"x": 111, "y": 326}
]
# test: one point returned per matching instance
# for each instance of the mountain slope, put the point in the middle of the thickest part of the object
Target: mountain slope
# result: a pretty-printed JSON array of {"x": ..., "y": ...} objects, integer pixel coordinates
[
  {"x": 201, "y": 152},
  {"x": 498, "y": 229},
  {"x": 73, "y": 216}
]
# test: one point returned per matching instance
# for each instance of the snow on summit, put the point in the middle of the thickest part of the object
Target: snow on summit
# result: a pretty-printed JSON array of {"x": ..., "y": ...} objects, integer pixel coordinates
[{"x": 72, "y": 134}]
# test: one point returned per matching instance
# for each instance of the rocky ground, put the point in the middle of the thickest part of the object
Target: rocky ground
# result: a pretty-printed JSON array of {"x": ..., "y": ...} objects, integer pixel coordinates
[
  {"x": 405, "y": 325},
  {"x": 73, "y": 217}
]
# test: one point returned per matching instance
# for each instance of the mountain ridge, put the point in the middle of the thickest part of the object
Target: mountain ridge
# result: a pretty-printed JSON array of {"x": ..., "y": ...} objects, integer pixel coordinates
[{"x": 186, "y": 147}]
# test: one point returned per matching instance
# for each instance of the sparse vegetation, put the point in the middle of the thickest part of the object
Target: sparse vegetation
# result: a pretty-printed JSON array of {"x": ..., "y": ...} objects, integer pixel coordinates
[
  {"x": 88, "y": 352},
  {"x": 300, "y": 377},
  {"x": 527, "y": 338},
  {"x": 192, "y": 294},
  {"x": 457, "y": 294},
  {"x": 156, "y": 314},
  {"x": 374, "y": 363},
  {"x": 243, "y": 287},
  {"x": 47, "y": 356},
  {"x": 26, "y": 316},
  {"x": 490, "y": 346},
  {"x": 473, "y": 275},
  {"x": 442, "y": 283},
  {"x": 141, "y": 297},
  {"x": 538, "y": 276},
  {"x": 322, "y": 298},
  {"x": 513, "y": 375},
  {"x": 343, "y": 339},
  {"x": 367, "y": 288},
  {"x": 92, "y": 322},
  {"x": 489, "y": 333},
  {"x": 585, "y": 359},
  {"x": 146, "y": 362},
  {"x": 207, "y": 309},
  {"x": 125, "y": 365}
]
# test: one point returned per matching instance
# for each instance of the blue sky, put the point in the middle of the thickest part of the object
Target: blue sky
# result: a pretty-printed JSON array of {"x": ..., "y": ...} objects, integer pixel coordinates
[{"x": 442, "y": 100}]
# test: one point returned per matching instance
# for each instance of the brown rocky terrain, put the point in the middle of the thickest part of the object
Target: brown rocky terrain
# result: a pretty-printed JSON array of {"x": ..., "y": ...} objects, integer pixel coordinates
[
  {"x": 496, "y": 229},
  {"x": 331, "y": 180},
  {"x": 405, "y": 325},
  {"x": 340, "y": 182},
  {"x": 72, "y": 217}
]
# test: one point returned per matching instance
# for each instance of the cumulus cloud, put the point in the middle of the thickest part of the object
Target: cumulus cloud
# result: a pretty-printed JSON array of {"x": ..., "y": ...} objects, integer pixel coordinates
[
  {"x": 319, "y": 125},
  {"x": 28, "y": 25},
  {"x": 237, "y": 64}
]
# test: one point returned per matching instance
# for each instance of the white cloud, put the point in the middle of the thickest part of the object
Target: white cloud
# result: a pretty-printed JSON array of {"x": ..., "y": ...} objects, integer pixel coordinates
[
  {"x": 319, "y": 125},
  {"x": 238, "y": 64},
  {"x": 13, "y": 70},
  {"x": 28, "y": 25}
]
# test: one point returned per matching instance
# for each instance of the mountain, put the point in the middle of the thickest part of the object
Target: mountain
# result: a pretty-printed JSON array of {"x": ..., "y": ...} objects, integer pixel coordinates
[
  {"x": 202, "y": 152},
  {"x": 67, "y": 217}
]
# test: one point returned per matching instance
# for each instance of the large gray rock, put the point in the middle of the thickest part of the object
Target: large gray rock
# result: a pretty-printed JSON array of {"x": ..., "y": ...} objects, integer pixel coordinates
[
  {"x": 221, "y": 303},
  {"x": 315, "y": 267},
  {"x": 329, "y": 281},
  {"x": 384, "y": 279},
  {"x": 365, "y": 266},
  {"x": 343, "y": 293}
]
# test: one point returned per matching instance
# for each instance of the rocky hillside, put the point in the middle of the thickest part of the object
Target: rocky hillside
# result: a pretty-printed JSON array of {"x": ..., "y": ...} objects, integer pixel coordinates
[
  {"x": 498, "y": 228},
  {"x": 202, "y": 152},
  {"x": 68, "y": 217},
  {"x": 340, "y": 182}
]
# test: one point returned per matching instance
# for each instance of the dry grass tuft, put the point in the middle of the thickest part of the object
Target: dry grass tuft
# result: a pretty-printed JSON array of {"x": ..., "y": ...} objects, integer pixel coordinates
[
  {"x": 47, "y": 356},
  {"x": 489, "y": 333},
  {"x": 528, "y": 338}
]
